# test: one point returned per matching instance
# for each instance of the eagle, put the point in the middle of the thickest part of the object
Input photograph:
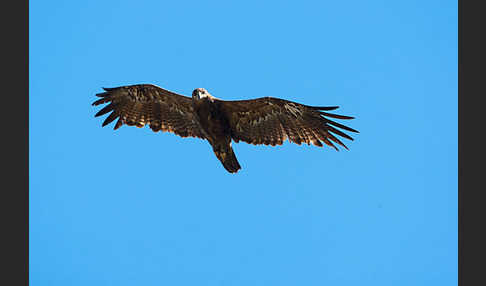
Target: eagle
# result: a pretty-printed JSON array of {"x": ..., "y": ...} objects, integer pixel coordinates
[{"x": 265, "y": 120}]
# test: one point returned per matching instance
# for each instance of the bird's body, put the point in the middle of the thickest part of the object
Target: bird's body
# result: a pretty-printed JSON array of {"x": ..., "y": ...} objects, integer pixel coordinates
[
  {"x": 265, "y": 120},
  {"x": 216, "y": 128}
]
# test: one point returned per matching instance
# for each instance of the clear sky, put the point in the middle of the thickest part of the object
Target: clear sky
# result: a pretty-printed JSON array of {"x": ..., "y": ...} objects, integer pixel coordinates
[{"x": 133, "y": 207}]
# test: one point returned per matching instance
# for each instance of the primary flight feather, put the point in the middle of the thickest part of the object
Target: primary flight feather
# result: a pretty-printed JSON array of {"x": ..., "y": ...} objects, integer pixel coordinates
[{"x": 265, "y": 120}]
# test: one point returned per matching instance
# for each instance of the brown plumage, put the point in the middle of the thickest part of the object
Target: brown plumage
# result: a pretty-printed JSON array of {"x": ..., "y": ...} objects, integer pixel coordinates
[{"x": 265, "y": 120}]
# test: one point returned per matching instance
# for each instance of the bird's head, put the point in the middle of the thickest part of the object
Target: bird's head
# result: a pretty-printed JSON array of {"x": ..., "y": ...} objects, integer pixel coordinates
[{"x": 200, "y": 93}]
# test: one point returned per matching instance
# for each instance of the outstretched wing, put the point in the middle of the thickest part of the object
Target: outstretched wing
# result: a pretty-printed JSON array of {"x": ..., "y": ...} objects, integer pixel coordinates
[
  {"x": 271, "y": 120},
  {"x": 143, "y": 104}
]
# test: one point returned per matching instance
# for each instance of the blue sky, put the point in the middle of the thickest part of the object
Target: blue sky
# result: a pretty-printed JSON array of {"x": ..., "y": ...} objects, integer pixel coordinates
[{"x": 133, "y": 207}]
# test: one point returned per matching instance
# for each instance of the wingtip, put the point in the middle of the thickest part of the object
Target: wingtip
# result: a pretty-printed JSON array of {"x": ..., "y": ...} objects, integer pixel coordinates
[
  {"x": 326, "y": 107},
  {"x": 338, "y": 116},
  {"x": 118, "y": 124},
  {"x": 108, "y": 89}
]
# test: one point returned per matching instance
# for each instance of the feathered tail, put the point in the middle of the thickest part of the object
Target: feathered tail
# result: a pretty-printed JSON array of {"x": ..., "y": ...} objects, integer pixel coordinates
[{"x": 227, "y": 157}]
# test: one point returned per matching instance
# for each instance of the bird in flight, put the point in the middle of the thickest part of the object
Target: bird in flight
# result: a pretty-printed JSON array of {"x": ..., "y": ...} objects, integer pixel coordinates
[{"x": 265, "y": 120}]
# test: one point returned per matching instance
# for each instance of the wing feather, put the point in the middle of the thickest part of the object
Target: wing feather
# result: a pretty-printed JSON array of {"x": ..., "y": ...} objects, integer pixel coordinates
[
  {"x": 271, "y": 121},
  {"x": 146, "y": 104}
]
